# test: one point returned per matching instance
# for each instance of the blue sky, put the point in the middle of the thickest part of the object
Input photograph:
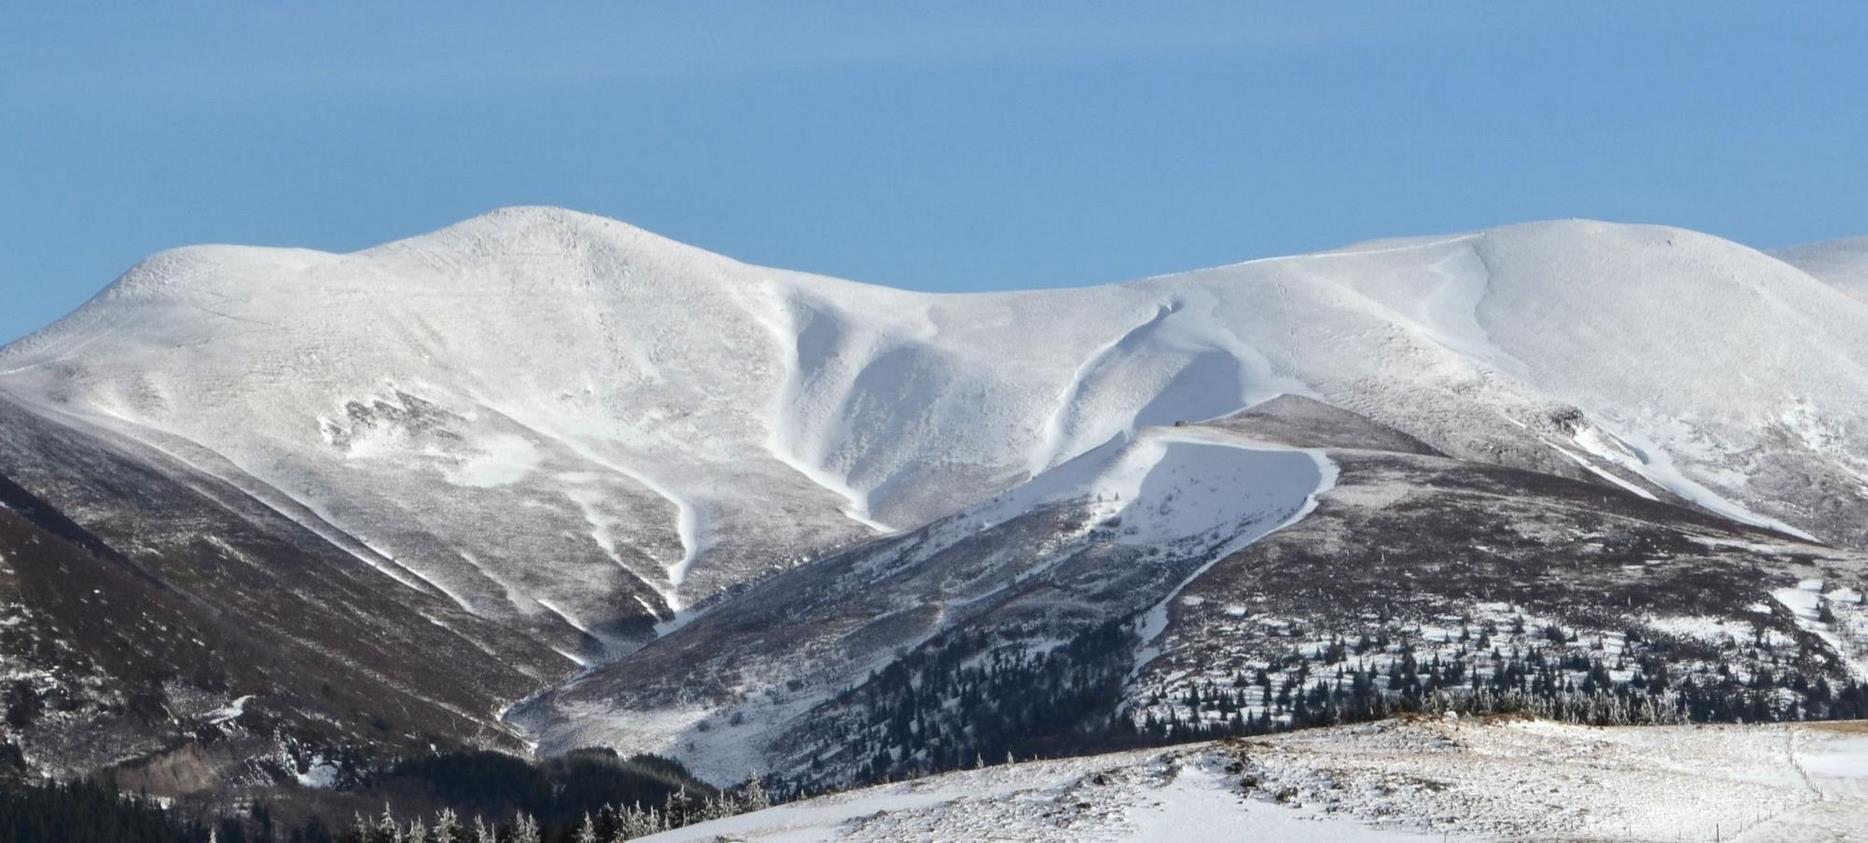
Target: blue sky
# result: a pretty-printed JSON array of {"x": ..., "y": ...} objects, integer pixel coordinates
[{"x": 939, "y": 146}]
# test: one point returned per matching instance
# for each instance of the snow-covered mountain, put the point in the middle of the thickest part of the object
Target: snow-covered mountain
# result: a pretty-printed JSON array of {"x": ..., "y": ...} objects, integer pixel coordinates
[
  {"x": 561, "y": 420},
  {"x": 544, "y": 436}
]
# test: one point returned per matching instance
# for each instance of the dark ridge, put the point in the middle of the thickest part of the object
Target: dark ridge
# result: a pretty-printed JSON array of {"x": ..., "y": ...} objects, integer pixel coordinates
[
  {"x": 1301, "y": 422},
  {"x": 48, "y": 518}
]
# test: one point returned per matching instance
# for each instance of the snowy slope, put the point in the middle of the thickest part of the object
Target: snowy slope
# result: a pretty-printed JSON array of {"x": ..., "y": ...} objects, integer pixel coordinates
[
  {"x": 1138, "y": 796},
  {"x": 1843, "y": 263},
  {"x": 1264, "y": 544},
  {"x": 566, "y": 423},
  {"x": 1395, "y": 781},
  {"x": 1112, "y": 533}
]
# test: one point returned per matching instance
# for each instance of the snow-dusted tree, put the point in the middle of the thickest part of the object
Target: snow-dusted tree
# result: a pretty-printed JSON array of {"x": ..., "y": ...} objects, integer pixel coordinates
[
  {"x": 524, "y": 829},
  {"x": 674, "y": 810},
  {"x": 483, "y": 833},
  {"x": 417, "y": 832},
  {"x": 447, "y": 828},
  {"x": 607, "y": 823},
  {"x": 386, "y": 830},
  {"x": 753, "y": 796},
  {"x": 632, "y": 822},
  {"x": 586, "y": 833}
]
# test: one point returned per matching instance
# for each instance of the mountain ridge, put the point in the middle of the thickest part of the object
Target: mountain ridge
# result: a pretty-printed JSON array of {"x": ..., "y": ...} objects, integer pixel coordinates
[
  {"x": 533, "y": 217},
  {"x": 842, "y": 352}
]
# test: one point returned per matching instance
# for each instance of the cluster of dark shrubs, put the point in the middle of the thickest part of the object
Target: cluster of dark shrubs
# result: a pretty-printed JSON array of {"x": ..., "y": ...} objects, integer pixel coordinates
[{"x": 484, "y": 797}]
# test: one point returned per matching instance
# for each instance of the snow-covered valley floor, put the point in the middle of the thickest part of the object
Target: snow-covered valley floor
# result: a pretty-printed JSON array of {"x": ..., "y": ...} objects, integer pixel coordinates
[{"x": 1399, "y": 780}]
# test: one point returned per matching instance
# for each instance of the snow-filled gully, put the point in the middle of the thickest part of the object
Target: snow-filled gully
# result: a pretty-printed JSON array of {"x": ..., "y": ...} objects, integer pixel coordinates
[
  {"x": 687, "y": 518},
  {"x": 1052, "y": 438}
]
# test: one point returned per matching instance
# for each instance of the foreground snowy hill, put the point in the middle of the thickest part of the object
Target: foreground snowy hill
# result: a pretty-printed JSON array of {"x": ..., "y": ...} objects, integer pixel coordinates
[{"x": 1417, "y": 780}]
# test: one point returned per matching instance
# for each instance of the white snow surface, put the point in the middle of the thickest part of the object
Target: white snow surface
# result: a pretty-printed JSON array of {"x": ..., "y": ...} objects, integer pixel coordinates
[
  {"x": 1420, "y": 780},
  {"x": 429, "y": 397},
  {"x": 1164, "y": 486},
  {"x": 1843, "y": 263},
  {"x": 1293, "y": 482},
  {"x": 1145, "y": 796}
]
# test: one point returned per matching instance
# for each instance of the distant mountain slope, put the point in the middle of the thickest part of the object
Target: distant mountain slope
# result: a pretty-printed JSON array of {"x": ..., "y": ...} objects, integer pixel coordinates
[
  {"x": 1098, "y": 539},
  {"x": 1843, "y": 263},
  {"x": 146, "y": 605},
  {"x": 1414, "y": 563},
  {"x": 1284, "y": 566}
]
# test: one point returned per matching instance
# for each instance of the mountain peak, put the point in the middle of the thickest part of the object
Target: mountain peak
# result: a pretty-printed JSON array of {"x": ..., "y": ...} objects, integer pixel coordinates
[
  {"x": 538, "y": 231},
  {"x": 524, "y": 220}
]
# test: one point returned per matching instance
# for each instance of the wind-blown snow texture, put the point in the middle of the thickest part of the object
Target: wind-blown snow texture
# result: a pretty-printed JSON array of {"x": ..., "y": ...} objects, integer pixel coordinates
[
  {"x": 1390, "y": 782},
  {"x": 566, "y": 423}
]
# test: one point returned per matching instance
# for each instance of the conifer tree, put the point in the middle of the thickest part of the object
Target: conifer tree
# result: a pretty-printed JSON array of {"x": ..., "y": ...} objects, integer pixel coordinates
[
  {"x": 631, "y": 822},
  {"x": 386, "y": 830},
  {"x": 524, "y": 829},
  {"x": 447, "y": 828},
  {"x": 753, "y": 796}
]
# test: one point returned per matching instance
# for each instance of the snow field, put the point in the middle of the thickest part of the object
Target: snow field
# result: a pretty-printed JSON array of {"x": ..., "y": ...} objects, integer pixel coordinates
[{"x": 1413, "y": 780}]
